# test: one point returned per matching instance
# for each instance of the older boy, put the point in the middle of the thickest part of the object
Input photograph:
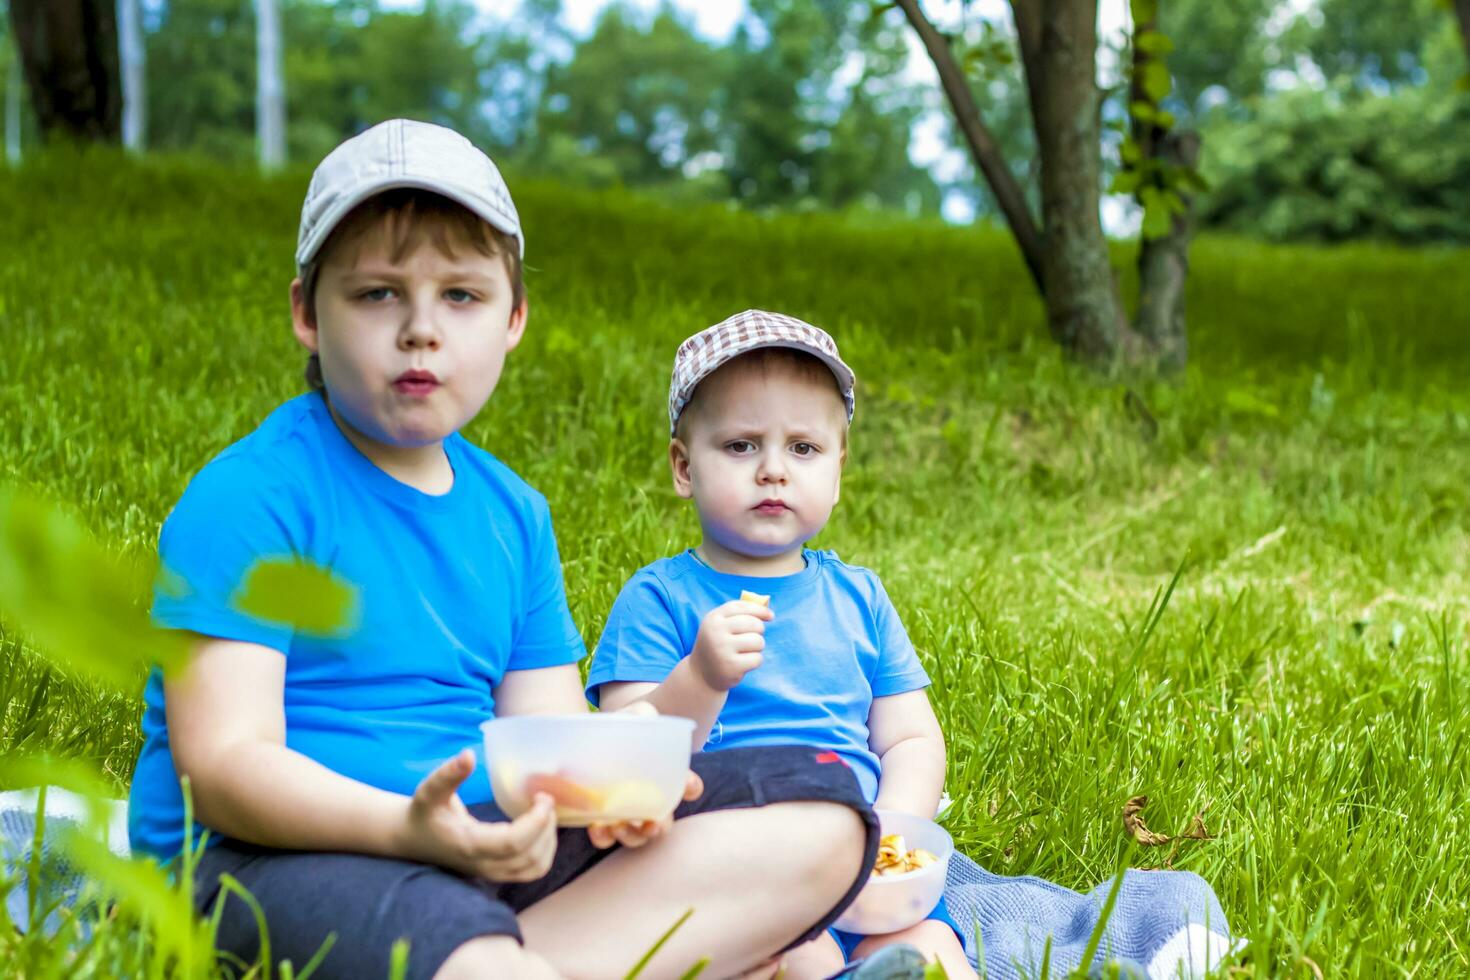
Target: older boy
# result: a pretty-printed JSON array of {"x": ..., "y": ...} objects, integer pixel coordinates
[
  {"x": 333, "y": 771},
  {"x": 759, "y": 409}
]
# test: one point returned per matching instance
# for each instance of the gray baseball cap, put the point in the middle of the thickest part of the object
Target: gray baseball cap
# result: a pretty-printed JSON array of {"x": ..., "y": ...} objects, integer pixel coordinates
[{"x": 403, "y": 153}]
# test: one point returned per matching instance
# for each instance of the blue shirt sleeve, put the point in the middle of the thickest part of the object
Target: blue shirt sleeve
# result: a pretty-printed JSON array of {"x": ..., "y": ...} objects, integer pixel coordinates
[
  {"x": 227, "y": 520},
  {"x": 898, "y": 670},
  {"x": 641, "y": 639},
  {"x": 547, "y": 635}
]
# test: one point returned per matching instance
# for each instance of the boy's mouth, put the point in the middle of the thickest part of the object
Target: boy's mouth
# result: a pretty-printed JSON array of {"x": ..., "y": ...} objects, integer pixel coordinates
[
  {"x": 771, "y": 507},
  {"x": 416, "y": 383}
]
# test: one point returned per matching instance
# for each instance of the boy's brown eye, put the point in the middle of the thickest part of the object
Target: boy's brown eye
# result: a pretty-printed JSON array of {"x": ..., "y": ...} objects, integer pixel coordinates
[
  {"x": 803, "y": 449},
  {"x": 375, "y": 295}
]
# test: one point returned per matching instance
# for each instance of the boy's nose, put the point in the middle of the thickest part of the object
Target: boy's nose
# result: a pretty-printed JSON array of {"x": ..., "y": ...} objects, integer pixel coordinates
[
  {"x": 772, "y": 470},
  {"x": 419, "y": 332}
]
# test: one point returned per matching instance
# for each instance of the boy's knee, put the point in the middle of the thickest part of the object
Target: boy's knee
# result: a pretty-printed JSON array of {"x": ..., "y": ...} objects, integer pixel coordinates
[
  {"x": 826, "y": 841},
  {"x": 494, "y": 956}
]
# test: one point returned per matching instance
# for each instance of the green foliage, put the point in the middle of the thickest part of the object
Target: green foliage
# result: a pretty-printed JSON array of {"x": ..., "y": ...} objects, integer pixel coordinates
[
  {"x": 309, "y": 599},
  {"x": 1339, "y": 164},
  {"x": 73, "y": 597},
  {"x": 1220, "y": 45},
  {"x": 1311, "y": 470},
  {"x": 346, "y": 66},
  {"x": 1373, "y": 42}
]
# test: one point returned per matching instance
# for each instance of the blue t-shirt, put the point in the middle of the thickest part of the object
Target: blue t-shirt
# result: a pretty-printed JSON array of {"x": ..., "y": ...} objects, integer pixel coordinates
[
  {"x": 453, "y": 591},
  {"x": 836, "y": 644}
]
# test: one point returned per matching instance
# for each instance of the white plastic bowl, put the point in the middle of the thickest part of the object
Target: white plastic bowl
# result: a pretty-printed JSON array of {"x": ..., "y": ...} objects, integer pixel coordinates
[
  {"x": 892, "y": 902},
  {"x": 597, "y": 767}
]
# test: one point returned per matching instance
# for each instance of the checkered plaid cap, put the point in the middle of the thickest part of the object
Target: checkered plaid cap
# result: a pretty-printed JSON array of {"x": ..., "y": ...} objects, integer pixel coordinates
[
  {"x": 700, "y": 355},
  {"x": 403, "y": 153}
]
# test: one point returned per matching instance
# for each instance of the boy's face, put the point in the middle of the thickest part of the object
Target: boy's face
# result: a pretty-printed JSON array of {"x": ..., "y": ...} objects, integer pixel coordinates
[
  {"x": 410, "y": 350},
  {"x": 762, "y": 458}
]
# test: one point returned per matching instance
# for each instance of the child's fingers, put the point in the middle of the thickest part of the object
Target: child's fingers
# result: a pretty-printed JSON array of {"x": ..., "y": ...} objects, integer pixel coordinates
[
  {"x": 693, "y": 786},
  {"x": 745, "y": 624},
  {"x": 521, "y": 835},
  {"x": 747, "y": 643},
  {"x": 438, "y": 787},
  {"x": 756, "y": 609}
]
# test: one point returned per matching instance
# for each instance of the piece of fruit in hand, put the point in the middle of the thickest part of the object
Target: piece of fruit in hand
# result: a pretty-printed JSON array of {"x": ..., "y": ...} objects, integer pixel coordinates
[{"x": 755, "y": 597}]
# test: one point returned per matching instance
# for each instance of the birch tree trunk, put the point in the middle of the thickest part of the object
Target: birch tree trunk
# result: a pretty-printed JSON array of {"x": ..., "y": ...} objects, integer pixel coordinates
[
  {"x": 270, "y": 94},
  {"x": 13, "y": 85},
  {"x": 134, "y": 75}
]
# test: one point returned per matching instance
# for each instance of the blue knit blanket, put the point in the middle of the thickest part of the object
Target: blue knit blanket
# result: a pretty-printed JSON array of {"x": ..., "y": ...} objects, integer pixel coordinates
[{"x": 1164, "y": 925}]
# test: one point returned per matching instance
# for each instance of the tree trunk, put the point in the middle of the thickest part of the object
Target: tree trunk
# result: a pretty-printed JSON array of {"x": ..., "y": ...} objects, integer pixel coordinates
[
  {"x": 983, "y": 148},
  {"x": 134, "y": 84},
  {"x": 1083, "y": 309},
  {"x": 1163, "y": 262},
  {"x": 1462, "y": 14},
  {"x": 13, "y": 86},
  {"x": 270, "y": 94},
  {"x": 69, "y": 51},
  {"x": 1163, "y": 267}
]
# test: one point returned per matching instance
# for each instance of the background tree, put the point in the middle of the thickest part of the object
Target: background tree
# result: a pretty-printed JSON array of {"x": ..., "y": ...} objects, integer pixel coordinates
[
  {"x": 600, "y": 122},
  {"x": 1066, "y": 250},
  {"x": 1379, "y": 148},
  {"x": 68, "y": 49}
]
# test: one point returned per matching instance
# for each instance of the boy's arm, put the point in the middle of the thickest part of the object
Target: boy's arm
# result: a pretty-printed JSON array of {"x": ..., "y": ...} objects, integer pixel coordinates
[
  {"x": 227, "y": 731},
  {"x": 541, "y": 691},
  {"x": 905, "y": 735},
  {"x": 682, "y": 693},
  {"x": 729, "y": 645}
]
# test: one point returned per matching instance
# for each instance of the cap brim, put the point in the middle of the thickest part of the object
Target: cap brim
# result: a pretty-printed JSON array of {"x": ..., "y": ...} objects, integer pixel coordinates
[{"x": 328, "y": 222}]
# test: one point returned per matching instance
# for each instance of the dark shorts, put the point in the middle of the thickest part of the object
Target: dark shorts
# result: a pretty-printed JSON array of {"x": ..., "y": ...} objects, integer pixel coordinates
[{"x": 369, "y": 902}]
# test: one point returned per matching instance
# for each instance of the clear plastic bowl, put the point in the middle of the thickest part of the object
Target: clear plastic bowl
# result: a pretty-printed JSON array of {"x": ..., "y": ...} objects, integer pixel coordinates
[
  {"x": 597, "y": 767},
  {"x": 892, "y": 902}
]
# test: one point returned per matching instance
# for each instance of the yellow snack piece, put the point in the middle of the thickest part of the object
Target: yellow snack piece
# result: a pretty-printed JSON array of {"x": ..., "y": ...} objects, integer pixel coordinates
[
  {"x": 633, "y": 799},
  {"x": 755, "y": 597},
  {"x": 895, "y": 858}
]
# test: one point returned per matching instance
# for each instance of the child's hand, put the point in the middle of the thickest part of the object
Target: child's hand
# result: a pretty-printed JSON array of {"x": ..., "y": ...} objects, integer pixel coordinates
[
  {"x": 730, "y": 643},
  {"x": 441, "y": 831}
]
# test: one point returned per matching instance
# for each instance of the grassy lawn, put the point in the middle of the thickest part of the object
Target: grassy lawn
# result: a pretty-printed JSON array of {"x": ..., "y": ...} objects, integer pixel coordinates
[{"x": 1307, "y": 687}]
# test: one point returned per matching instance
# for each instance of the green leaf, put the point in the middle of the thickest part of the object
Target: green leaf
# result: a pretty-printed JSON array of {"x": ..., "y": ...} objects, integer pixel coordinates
[
  {"x": 1240, "y": 400},
  {"x": 1156, "y": 221},
  {"x": 81, "y": 606},
  {"x": 1124, "y": 182},
  {"x": 1194, "y": 179},
  {"x": 1154, "y": 43},
  {"x": 1173, "y": 202},
  {"x": 1143, "y": 10},
  {"x": 1142, "y": 111},
  {"x": 1164, "y": 119},
  {"x": 301, "y": 595},
  {"x": 1155, "y": 81},
  {"x": 1129, "y": 152}
]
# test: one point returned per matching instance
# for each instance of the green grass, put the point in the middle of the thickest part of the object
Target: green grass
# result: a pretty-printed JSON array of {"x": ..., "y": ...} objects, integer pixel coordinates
[{"x": 1305, "y": 688}]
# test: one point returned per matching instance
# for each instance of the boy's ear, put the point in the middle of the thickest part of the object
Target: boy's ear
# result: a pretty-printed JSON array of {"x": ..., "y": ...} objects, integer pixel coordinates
[
  {"x": 303, "y": 324},
  {"x": 517, "y": 330},
  {"x": 679, "y": 464}
]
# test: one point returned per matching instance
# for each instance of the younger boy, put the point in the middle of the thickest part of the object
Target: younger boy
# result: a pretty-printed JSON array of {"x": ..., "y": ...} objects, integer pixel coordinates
[
  {"x": 333, "y": 771},
  {"x": 759, "y": 409}
]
